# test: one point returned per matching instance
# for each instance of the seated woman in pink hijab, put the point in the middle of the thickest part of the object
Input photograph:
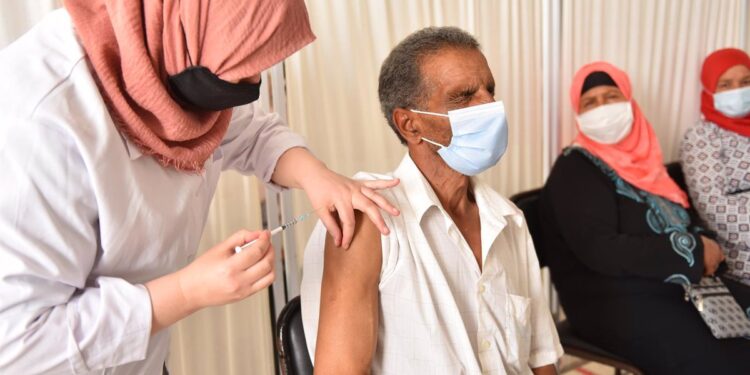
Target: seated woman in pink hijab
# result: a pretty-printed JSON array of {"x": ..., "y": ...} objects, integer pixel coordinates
[{"x": 619, "y": 239}]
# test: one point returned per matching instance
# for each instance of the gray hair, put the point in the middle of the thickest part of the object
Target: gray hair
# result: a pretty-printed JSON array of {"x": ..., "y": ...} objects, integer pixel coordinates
[{"x": 401, "y": 84}]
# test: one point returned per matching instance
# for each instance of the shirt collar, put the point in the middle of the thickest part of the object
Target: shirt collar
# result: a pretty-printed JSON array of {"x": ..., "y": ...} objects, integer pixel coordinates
[
  {"x": 419, "y": 192},
  {"x": 422, "y": 197},
  {"x": 497, "y": 206}
]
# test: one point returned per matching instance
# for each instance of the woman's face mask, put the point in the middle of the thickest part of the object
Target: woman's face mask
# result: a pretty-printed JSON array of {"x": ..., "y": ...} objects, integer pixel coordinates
[
  {"x": 733, "y": 103},
  {"x": 607, "y": 124},
  {"x": 480, "y": 137},
  {"x": 198, "y": 88}
]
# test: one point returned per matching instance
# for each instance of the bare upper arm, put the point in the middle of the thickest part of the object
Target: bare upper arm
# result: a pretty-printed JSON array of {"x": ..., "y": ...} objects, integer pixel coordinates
[{"x": 348, "y": 326}]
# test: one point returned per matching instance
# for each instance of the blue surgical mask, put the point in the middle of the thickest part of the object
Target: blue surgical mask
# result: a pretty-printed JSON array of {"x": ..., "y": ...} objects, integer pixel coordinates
[
  {"x": 480, "y": 137},
  {"x": 733, "y": 103}
]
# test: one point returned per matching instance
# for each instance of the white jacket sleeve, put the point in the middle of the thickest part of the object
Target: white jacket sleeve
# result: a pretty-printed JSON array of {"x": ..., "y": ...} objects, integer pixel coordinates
[
  {"x": 256, "y": 140},
  {"x": 55, "y": 317}
]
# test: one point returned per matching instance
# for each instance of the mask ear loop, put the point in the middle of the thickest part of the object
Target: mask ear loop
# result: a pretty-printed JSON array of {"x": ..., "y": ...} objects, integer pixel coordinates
[
  {"x": 704, "y": 89},
  {"x": 433, "y": 114},
  {"x": 433, "y": 142},
  {"x": 429, "y": 113}
]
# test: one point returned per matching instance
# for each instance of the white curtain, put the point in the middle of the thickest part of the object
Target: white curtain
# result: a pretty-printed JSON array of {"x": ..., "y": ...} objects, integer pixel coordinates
[
  {"x": 17, "y": 16},
  {"x": 332, "y": 84},
  {"x": 233, "y": 339},
  {"x": 660, "y": 44}
]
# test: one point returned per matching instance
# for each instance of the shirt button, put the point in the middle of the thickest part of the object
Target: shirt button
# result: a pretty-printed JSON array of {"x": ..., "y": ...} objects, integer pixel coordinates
[
  {"x": 481, "y": 288},
  {"x": 485, "y": 344}
]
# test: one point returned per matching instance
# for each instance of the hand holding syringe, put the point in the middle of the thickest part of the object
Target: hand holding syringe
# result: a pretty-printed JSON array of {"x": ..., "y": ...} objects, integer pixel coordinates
[{"x": 278, "y": 229}]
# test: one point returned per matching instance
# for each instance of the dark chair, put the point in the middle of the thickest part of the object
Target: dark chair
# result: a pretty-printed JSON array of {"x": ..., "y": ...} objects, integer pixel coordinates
[
  {"x": 291, "y": 344},
  {"x": 675, "y": 171},
  {"x": 528, "y": 202}
]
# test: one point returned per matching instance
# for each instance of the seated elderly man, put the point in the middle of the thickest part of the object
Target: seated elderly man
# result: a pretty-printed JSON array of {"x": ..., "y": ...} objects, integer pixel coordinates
[{"x": 455, "y": 288}]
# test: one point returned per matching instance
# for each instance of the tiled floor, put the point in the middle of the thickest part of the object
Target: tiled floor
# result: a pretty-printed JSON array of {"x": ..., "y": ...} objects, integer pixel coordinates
[{"x": 575, "y": 366}]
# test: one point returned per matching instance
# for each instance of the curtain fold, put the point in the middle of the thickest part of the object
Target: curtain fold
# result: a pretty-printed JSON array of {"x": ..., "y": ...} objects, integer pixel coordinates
[{"x": 233, "y": 339}]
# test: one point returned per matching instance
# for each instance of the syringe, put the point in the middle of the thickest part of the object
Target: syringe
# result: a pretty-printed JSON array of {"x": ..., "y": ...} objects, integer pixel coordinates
[{"x": 278, "y": 229}]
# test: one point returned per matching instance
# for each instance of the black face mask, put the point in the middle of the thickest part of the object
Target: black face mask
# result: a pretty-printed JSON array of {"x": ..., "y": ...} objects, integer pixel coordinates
[{"x": 199, "y": 88}]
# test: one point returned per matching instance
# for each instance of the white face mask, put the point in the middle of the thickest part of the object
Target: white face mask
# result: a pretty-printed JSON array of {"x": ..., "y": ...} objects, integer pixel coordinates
[
  {"x": 607, "y": 124},
  {"x": 480, "y": 137},
  {"x": 733, "y": 103}
]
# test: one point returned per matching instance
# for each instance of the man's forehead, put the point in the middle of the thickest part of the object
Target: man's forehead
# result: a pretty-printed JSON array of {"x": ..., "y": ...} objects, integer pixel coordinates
[{"x": 455, "y": 66}]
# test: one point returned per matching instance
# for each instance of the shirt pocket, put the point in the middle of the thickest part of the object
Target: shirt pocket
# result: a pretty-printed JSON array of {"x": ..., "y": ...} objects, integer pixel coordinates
[{"x": 517, "y": 328}]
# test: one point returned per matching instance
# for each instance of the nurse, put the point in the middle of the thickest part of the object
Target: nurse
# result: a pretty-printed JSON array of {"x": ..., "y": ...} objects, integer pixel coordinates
[{"x": 116, "y": 119}]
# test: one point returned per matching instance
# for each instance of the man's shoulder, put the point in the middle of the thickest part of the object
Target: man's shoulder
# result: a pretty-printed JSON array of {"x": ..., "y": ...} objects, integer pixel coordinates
[
  {"x": 395, "y": 195},
  {"x": 371, "y": 176}
]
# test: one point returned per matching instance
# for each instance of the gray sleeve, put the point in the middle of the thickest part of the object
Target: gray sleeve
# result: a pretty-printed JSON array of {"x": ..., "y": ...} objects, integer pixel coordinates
[{"x": 255, "y": 141}]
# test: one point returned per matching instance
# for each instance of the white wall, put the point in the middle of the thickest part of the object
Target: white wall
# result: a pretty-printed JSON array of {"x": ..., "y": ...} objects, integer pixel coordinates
[{"x": 16, "y": 16}]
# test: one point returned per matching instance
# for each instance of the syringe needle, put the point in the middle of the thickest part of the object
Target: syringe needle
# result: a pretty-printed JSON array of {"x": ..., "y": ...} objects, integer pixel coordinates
[{"x": 277, "y": 230}]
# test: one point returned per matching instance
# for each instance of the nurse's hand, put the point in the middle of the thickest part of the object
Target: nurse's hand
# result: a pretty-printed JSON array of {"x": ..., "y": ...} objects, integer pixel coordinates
[
  {"x": 220, "y": 276},
  {"x": 337, "y": 197},
  {"x": 333, "y": 195},
  {"x": 217, "y": 277}
]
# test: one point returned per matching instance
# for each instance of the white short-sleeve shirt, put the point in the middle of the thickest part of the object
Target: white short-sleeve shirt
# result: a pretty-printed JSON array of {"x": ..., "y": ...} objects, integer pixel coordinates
[{"x": 439, "y": 314}]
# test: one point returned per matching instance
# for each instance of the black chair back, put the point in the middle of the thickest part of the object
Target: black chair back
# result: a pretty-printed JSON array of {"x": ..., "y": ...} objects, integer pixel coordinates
[
  {"x": 675, "y": 171},
  {"x": 291, "y": 344},
  {"x": 528, "y": 202}
]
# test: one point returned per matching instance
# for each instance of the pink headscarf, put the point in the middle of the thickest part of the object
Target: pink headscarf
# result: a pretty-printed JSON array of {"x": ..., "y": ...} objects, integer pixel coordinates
[
  {"x": 637, "y": 158},
  {"x": 134, "y": 45}
]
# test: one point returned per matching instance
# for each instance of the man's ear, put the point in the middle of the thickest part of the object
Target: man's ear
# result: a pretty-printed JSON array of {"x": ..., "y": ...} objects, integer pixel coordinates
[{"x": 406, "y": 123}]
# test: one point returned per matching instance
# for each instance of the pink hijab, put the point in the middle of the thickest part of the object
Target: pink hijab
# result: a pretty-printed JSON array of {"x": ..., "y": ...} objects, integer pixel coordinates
[
  {"x": 637, "y": 158},
  {"x": 134, "y": 45}
]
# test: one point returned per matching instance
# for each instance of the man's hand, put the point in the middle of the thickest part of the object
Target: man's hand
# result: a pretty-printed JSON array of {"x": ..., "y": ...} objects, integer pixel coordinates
[{"x": 712, "y": 256}]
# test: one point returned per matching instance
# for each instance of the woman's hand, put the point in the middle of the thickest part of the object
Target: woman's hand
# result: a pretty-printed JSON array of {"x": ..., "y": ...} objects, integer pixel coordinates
[
  {"x": 712, "y": 256},
  {"x": 341, "y": 195},
  {"x": 332, "y": 193},
  {"x": 217, "y": 277},
  {"x": 220, "y": 276}
]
